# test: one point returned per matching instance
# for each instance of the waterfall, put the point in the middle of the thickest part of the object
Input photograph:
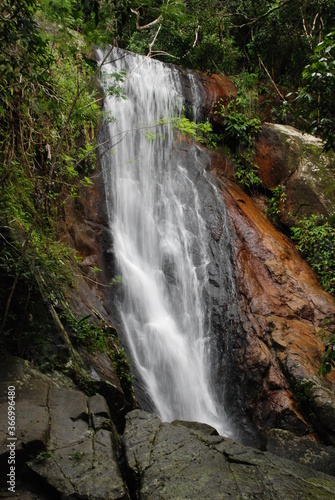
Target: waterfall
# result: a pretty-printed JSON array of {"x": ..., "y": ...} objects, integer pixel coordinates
[{"x": 160, "y": 241}]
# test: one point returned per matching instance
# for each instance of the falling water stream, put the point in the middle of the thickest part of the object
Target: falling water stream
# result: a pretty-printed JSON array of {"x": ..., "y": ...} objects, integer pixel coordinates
[{"x": 159, "y": 242}]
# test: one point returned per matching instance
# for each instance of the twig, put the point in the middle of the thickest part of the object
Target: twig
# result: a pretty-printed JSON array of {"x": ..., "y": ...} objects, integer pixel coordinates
[
  {"x": 262, "y": 16},
  {"x": 272, "y": 81},
  {"x": 93, "y": 281},
  {"x": 146, "y": 26}
]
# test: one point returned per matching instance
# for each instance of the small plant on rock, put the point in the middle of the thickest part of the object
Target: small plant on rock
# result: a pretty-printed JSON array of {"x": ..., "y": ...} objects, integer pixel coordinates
[
  {"x": 240, "y": 129},
  {"x": 315, "y": 238},
  {"x": 277, "y": 199}
]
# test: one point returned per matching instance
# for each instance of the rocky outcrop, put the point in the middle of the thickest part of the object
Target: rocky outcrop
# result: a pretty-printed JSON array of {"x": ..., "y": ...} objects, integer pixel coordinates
[
  {"x": 296, "y": 162},
  {"x": 220, "y": 90},
  {"x": 276, "y": 350},
  {"x": 189, "y": 460},
  {"x": 67, "y": 447},
  {"x": 65, "y": 441},
  {"x": 306, "y": 450}
]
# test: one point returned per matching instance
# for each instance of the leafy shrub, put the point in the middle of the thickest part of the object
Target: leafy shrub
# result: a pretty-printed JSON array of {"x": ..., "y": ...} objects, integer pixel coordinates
[
  {"x": 316, "y": 96},
  {"x": 315, "y": 237},
  {"x": 274, "y": 203},
  {"x": 201, "y": 132},
  {"x": 240, "y": 130},
  {"x": 122, "y": 367},
  {"x": 92, "y": 337}
]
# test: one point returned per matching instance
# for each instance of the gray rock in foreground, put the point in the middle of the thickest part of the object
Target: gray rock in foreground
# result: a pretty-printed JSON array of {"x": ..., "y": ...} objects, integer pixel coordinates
[
  {"x": 68, "y": 441},
  {"x": 68, "y": 447},
  {"x": 306, "y": 450},
  {"x": 174, "y": 461}
]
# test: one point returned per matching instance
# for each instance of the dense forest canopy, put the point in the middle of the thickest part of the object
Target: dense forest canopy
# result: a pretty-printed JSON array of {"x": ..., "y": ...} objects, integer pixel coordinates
[{"x": 49, "y": 104}]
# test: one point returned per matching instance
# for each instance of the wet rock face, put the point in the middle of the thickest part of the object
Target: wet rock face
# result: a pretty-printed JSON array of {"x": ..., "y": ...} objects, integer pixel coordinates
[
  {"x": 219, "y": 90},
  {"x": 221, "y": 301},
  {"x": 187, "y": 460},
  {"x": 276, "y": 350}
]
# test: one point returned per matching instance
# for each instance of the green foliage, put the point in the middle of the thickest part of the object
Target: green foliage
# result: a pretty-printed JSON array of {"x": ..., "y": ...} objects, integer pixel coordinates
[
  {"x": 303, "y": 392},
  {"x": 192, "y": 32},
  {"x": 281, "y": 34},
  {"x": 240, "y": 129},
  {"x": 315, "y": 237},
  {"x": 49, "y": 111},
  {"x": 122, "y": 367},
  {"x": 246, "y": 170},
  {"x": 43, "y": 456},
  {"x": 316, "y": 96},
  {"x": 152, "y": 136},
  {"x": 23, "y": 50},
  {"x": 95, "y": 20},
  {"x": 277, "y": 200},
  {"x": 44, "y": 254},
  {"x": 76, "y": 455},
  {"x": 116, "y": 281},
  {"x": 95, "y": 338},
  {"x": 99, "y": 338},
  {"x": 200, "y": 132}
]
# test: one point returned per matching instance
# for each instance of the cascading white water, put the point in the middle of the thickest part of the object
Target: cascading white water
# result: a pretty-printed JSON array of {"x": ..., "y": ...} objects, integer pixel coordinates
[{"x": 159, "y": 242}]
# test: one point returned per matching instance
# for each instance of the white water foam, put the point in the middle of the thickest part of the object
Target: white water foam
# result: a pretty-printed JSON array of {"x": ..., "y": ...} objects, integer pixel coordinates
[{"x": 159, "y": 241}]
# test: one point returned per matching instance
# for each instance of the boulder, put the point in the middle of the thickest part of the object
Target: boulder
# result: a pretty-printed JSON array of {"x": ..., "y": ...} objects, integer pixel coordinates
[
  {"x": 185, "y": 460},
  {"x": 297, "y": 162},
  {"x": 306, "y": 450},
  {"x": 67, "y": 441}
]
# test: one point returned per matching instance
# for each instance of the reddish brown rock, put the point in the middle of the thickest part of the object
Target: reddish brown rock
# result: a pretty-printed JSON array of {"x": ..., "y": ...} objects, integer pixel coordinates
[
  {"x": 84, "y": 227},
  {"x": 283, "y": 308},
  {"x": 272, "y": 158},
  {"x": 219, "y": 89}
]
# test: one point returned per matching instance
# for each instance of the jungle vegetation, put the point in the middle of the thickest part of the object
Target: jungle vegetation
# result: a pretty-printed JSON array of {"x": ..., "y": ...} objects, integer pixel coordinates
[{"x": 283, "y": 50}]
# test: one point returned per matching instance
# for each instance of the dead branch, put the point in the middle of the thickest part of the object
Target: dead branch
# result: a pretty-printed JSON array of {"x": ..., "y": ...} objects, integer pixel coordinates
[
  {"x": 146, "y": 26},
  {"x": 255, "y": 20},
  {"x": 272, "y": 80}
]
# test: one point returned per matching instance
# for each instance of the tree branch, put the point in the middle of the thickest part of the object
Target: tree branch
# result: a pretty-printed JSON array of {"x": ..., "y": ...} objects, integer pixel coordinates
[
  {"x": 146, "y": 26},
  {"x": 262, "y": 16},
  {"x": 272, "y": 80}
]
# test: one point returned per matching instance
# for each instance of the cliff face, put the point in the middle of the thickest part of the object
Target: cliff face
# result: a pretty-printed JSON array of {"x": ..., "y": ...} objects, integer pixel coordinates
[
  {"x": 270, "y": 380},
  {"x": 275, "y": 342},
  {"x": 268, "y": 321},
  {"x": 277, "y": 351}
]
